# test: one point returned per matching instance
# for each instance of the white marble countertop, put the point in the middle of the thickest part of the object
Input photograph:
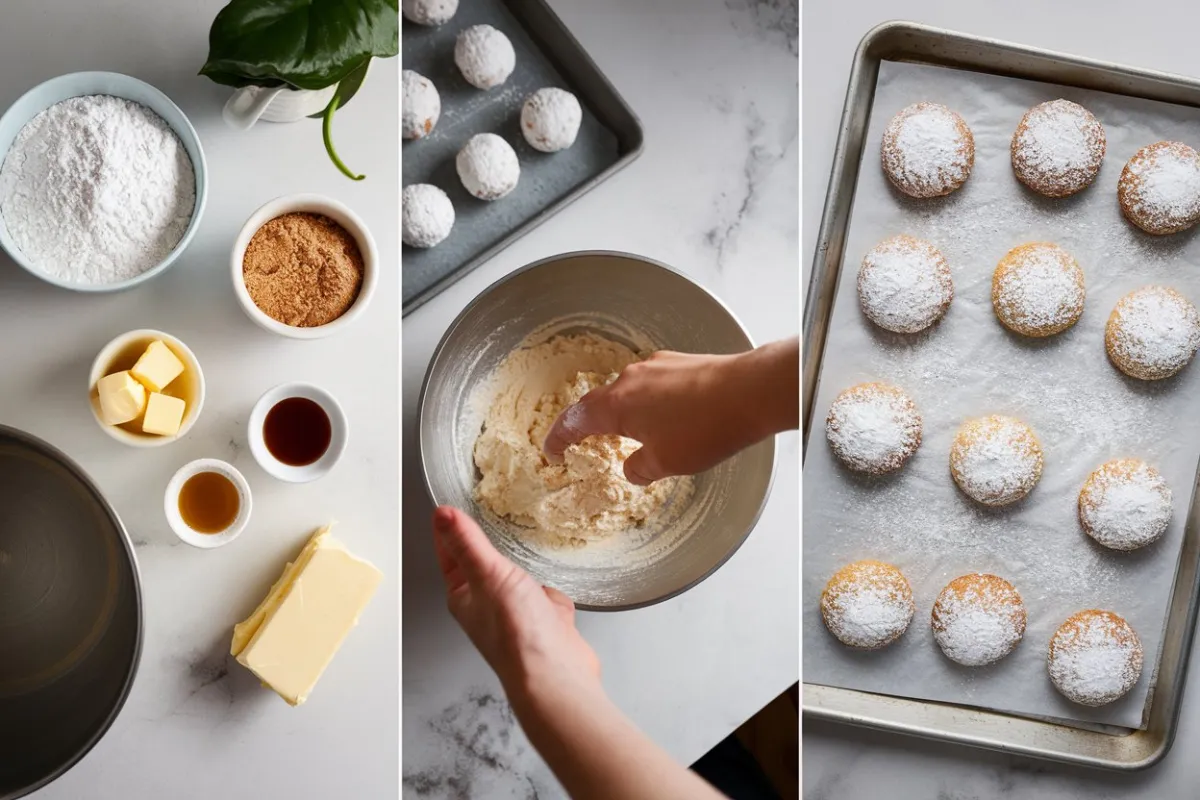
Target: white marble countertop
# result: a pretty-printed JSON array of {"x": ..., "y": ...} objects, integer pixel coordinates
[
  {"x": 196, "y": 724},
  {"x": 843, "y": 763},
  {"x": 714, "y": 194}
]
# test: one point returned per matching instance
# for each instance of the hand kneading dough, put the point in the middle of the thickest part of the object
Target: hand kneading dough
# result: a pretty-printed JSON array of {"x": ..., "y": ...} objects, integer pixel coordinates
[{"x": 586, "y": 498}]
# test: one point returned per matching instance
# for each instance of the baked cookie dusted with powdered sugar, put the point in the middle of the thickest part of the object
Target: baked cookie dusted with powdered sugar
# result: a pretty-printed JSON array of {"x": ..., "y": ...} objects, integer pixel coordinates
[
  {"x": 1152, "y": 333},
  {"x": 429, "y": 12},
  {"x": 550, "y": 119},
  {"x": 867, "y": 605},
  {"x": 1095, "y": 658},
  {"x": 426, "y": 215},
  {"x": 1037, "y": 290},
  {"x": 928, "y": 150},
  {"x": 1058, "y": 148},
  {"x": 873, "y": 428},
  {"x": 978, "y": 619},
  {"x": 996, "y": 460},
  {"x": 904, "y": 284},
  {"x": 488, "y": 166},
  {"x": 1125, "y": 504},
  {"x": 420, "y": 105},
  {"x": 1159, "y": 189},
  {"x": 484, "y": 56}
]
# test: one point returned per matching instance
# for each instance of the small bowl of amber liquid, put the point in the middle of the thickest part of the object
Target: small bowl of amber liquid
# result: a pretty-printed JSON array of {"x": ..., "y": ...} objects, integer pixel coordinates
[
  {"x": 208, "y": 503},
  {"x": 297, "y": 432}
]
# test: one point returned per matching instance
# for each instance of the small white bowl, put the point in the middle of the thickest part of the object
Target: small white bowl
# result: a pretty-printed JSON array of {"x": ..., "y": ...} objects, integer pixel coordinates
[
  {"x": 207, "y": 541},
  {"x": 313, "y": 204},
  {"x": 190, "y": 364},
  {"x": 339, "y": 429}
]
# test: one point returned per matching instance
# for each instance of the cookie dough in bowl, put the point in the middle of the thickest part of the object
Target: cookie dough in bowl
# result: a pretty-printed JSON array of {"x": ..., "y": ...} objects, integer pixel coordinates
[{"x": 525, "y": 348}]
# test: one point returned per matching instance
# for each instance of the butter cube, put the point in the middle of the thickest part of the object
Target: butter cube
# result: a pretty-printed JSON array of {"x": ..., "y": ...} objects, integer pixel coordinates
[
  {"x": 297, "y": 629},
  {"x": 164, "y": 414},
  {"x": 157, "y": 367},
  {"x": 122, "y": 399}
]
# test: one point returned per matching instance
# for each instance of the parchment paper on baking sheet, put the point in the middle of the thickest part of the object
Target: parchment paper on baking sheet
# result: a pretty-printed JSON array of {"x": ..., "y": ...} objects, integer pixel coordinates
[{"x": 1083, "y": 410}]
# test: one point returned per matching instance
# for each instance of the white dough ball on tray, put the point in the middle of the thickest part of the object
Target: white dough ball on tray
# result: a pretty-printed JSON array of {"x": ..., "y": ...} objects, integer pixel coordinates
[
  {"x": 550, "y": 119},
  {"x": 420, "y": 105},
  {"x": 484, "y": 56},
  {"x": 488, "y": 166},
  {"x": 430, "y": 12},
  {"x": 427, "y": 215}
]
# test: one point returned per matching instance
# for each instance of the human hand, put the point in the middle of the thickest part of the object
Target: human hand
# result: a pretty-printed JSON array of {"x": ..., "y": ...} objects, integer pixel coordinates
[
  {"x": 525, "y": 631},
  {"x": 690, "y": 412}
]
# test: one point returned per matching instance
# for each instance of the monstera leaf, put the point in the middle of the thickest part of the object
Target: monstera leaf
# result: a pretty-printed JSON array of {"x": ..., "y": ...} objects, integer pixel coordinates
[{"x": 302, "y": 44}]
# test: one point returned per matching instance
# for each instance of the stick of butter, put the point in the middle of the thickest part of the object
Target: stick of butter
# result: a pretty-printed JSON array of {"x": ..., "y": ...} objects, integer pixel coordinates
[
  {"x": 298, "y": 627},
  {"x": 157, "y": 367},
  {"x": 164, "y": 414}
]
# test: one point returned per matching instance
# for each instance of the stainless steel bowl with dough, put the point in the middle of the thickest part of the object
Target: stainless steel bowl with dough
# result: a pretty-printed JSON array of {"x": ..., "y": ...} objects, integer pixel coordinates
[
  {"x": 70, "y": 614},
  {"x": 576, "y": 319}
]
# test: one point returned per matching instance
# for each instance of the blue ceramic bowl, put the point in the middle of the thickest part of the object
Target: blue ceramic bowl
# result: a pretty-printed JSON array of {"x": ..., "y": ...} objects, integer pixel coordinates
[{"x": 77, "y": 84}]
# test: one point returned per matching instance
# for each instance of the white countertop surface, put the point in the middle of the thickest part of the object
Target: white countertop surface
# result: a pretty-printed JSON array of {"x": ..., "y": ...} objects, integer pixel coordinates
[
  {"x": 714, "y": 194},
  {"x": 843, "y": 763},
  {"x": 196, "y": 724}
]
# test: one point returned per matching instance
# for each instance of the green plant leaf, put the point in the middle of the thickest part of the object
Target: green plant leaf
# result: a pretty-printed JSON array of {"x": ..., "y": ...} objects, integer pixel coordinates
[
  {"x": 347, "y": 88},
  {"x": 307, "y": 44},
  {"x": 327, "y": 132}
]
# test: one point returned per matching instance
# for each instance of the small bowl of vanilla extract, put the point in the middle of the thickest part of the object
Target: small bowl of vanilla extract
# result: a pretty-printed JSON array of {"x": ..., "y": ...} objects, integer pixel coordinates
[
  {"x": 208, "y": 503},
  {"x": 297, "y": 432}
]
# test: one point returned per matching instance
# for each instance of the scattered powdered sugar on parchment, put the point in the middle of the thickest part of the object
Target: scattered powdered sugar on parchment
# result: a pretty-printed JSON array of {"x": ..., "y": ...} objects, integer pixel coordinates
[{"x": 1083, "y": 410}]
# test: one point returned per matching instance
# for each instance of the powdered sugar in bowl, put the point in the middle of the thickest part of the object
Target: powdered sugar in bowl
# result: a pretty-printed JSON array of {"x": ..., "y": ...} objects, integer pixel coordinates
[{"x": 102, "y": 237}]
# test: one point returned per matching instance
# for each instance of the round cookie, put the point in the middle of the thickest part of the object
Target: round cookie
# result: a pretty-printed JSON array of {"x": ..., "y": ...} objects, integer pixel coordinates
[
  {"x": 488, "y": 166},
  {"x": 904, "y": 284},
  {"x": 928, "y": 150},
  {"x": 484, "y": 56},
  {"x": 426, "y": 215},
  {"x": 996, "y": 460},
  {"x": 1095, "y": 658},
  {"x": 420, "y": 105},
  {"x": 550, "y": 119},
  {"x": 1037, "y": 290},
  {"x": 867, "y": 605},
  {"x": 978, "y": 619},
  {"x": 1058, "y": 148},
  {"x": 1152, "y": 333},
  {"x": 1125, "y": 504},
  {"x": 1159, "y": 189},
  {"x": 429, "y": 12},
  {"x": 873, "y": 428}
]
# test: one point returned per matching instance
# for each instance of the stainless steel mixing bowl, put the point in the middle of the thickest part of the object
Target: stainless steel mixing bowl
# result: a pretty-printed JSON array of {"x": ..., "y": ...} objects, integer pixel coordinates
[
  {"x": 70, "y": 614},
  {"x": 627, "y": 298}
]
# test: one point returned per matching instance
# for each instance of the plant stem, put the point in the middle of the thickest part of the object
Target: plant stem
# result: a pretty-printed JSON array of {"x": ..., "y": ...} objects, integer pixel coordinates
[{"x": 326, "y": 133}]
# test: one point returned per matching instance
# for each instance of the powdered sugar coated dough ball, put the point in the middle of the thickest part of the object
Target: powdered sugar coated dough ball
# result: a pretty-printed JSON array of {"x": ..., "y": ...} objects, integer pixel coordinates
[
  {"x": 904, "y": 284},
  {"x": 430, "y": 12},
  {"x": 873, "y": 428},
  {"x": 1037, "y": 290},
  {"x": 484, "y": 56},
  {"x": 1152, "y": 333},
  {"x": 550, "y": 119},
  {"x": 1058, "y": 148},
  {"x": 1125, "y": 504},
  {"x": 420, "y": 105},
  {"x": 427, "y": 215},
  {"x": 488, "y": 167},
  {"x": 867, "y": 604},
  {"x": 978, "y": 619},
  {"x": 928, "y": 150},
  {"x": 996, "y": 460},
  {"x": 1159, "y": 189},
  {"x": 1095, "y": 658}
]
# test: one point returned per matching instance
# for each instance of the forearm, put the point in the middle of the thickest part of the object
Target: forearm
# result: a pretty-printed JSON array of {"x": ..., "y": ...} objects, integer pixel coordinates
[
  {"x": 597, "y": 753},
  {"x": 769, "y": 381}
]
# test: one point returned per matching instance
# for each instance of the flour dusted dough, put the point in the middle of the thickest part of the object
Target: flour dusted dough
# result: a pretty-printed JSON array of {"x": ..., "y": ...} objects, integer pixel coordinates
[{"x": 586, "y": 498}]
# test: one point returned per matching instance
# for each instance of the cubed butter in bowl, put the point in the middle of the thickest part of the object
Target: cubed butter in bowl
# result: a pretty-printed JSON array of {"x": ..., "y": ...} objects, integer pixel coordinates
[{"x": 146, "y": 388}]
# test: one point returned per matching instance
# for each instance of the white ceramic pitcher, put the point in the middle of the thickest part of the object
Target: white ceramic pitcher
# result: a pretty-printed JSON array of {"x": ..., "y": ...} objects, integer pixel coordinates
[{"x": 276, "y": 104}]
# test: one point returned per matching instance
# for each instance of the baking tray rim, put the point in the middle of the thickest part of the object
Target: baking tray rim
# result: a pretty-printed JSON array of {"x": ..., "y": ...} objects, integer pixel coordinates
[
  {"x": 865, "y": 709},
  {"x": 625, "y": 157}
]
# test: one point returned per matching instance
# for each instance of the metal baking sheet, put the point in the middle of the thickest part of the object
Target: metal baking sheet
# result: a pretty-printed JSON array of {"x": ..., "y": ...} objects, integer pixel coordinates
[
  {"x": 610, "y": 136},
  {"x": 1101, "y": 747}
]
